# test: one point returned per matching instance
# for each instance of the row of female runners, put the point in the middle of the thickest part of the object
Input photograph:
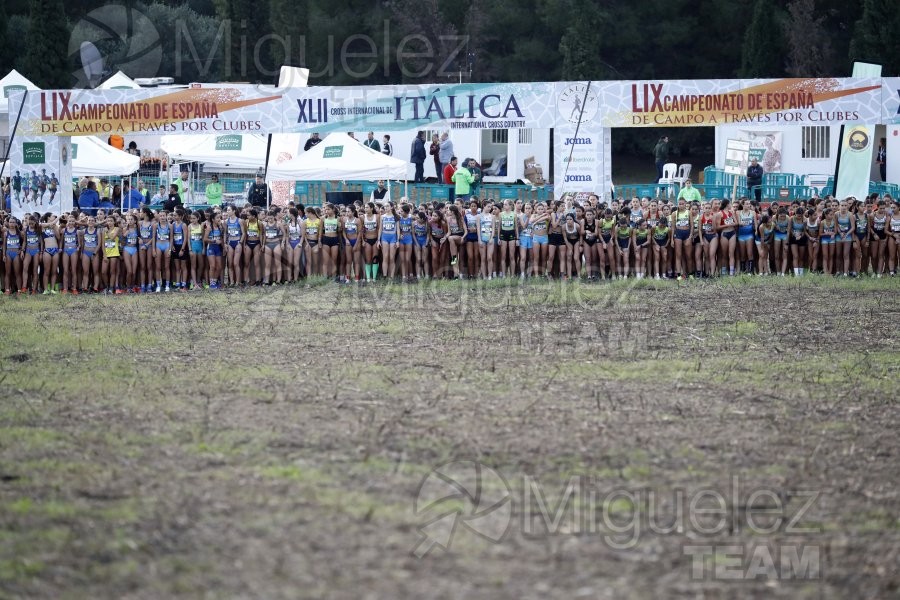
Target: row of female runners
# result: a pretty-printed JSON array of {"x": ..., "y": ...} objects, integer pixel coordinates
[{"x": 143, "y": 251}]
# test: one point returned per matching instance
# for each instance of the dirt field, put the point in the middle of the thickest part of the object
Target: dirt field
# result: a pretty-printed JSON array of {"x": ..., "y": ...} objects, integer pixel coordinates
[{"x": 272, "y": 443}]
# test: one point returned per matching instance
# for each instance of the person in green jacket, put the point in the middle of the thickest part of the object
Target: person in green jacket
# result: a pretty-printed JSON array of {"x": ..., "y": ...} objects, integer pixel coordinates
[
  {"x": 463, "y": 179},
  {"x": 688, "y": 193},
  {"x": 214, "y": 192}
]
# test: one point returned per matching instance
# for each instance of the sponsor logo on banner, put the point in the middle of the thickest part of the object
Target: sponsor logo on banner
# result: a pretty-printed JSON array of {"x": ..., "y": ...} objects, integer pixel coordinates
[
  {"x": 578, "y": 141},
  {"x": 333, "y": 152},
  {"x": 570, "y": 178},
  {"x": 229, "y": 142},
  {"x": 859, "y": 140},
  {"x": 578, "y": 103},
  {"x": 34, "y": 153}
]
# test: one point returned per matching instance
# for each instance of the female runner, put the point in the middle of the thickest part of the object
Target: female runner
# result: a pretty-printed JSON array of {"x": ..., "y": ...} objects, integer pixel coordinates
[
  {"x": 765, "y": 232},
  {"x": 90, "y": 255},
  {"x": 71, "y": 239},
  {"x": 50, "y": 256},
  {"x": 682, "y": 228},
  {"x": 387, "y": 240},
  {"x": 861, "y": 244},
  {"x": 456, "y": 236},
  {"x": 487, "y": 228},
  {"x": 12, "y": 255},
  {"x": 878, "y": 241},
  {"x": 623, "y": 235},
  {"x": 608, "y": 251},
  {"x": 472, "y": 251},
  {"x": 195, "y": 233},
  {"x": 180, "y": 253},
  {"x": 146, "y": 231},
  {"x": 420, "y": 236},
  {"x": 294, "y": 249},
  {"x": 437, "y": 226},
  {"x": 331, "y": 238},
  {"x": 274, "y": 246},
  {"x": 555, "y": 238},
  {"x": 570, "y": 253},
  {"x": 747, "y": 223},
  {"x": 797, "y": 241},
  {"x": 370, "y": 233},
  {"x": 813, "y": 224},
  {"x": 32, "y": 255},
  {"x": 130, "y": 247},
  {"x": 894, "y": 241},
  {"x": 591, "y": 256},
  {"x": 508, "y": 237},
  {"x": 162, "y": 250},
  {"x": 525, "y": 226},
  {"x": 782, "y": 227},
  {"x": 844, "y": 240},
  {"x": 253, "y": 251},
  {"x": 111, "y": 256},
  {"x": 540, "y": 224},
  {"x": 726, "y": 225},
  {"x": 312, "y": 234},
  {"x": 235, "y": 236},
  {"x": 827, "y": 234},
  {"x": 405, "y": 227},
  {"x": 352, "y": 228},
  {"x": 213, "y": 236},
  {"x": 641, "y": 243},
  {"x": 662, "y": 239}
]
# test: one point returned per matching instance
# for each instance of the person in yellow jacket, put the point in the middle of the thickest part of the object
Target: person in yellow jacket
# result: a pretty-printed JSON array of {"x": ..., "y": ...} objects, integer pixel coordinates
[
  {"x": 214, "y": 192},
  {"x": 463, "y": 179}
]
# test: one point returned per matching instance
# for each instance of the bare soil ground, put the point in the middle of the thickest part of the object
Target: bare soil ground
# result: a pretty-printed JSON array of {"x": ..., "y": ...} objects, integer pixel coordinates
[{"x": 272, "y": 443}]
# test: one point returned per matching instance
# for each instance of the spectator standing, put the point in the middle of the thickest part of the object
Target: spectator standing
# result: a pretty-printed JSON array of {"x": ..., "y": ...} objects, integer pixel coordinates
[
  {"x": 386, "y": 147},
  {"x": 661, "y": 154},
  {"x": 463, "y": 180},
  {"x": 214, "y": 192},
  {"x": 258, "y": 194},
  {"x": 447, "y": 175},
  {"x": 174, "y": 199},
  {"x": 184, "y": 187},
  {"x": 159, "y": 197},
  {"x": 688, "y": 193},
  {"x": 131, "y": 198},
  {"x": 754, "y": 179},
  {"x": 380, "y": 194},
  {"x": 311, "y": 142},
  {"x": 89, "y": 199},
  {"x": 371, "y": 142},
  {"x": 881, "y": 158},
  {"x": 417, "y": 156},
  {"x": 434, "y": 151},
  {"x": 446, "y": 151}
]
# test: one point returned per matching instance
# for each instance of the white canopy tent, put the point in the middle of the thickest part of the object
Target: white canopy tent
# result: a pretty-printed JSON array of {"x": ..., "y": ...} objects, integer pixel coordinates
[
  {"x": 93, "y": 158},
  {"x": 218, "y": 152},
  {"x": 339, "y": 157},
  {"x": 13, "y": 82},
  {"x": 119, "y": 81}
]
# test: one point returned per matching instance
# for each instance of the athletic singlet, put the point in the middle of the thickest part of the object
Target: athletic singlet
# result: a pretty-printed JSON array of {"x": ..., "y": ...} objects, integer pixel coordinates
[
  {"x": 420, "y": 230},
  {"x": 706, "y": 223},
  {"x": 312, "y": 228},
  {"x": 13, "y": 241},
  {"x": 146, "y": 231},
  {"x": 293, "y": 232},
  {"x": 660, "y": 234},
  {"x": 606, "y": 227},
  {"x": 727, "y": 218},
  {"x": 828, "y": 230},
  {"x": 895, "y": 224},
  {"x": 455, "y": 228},
  {"x": 405, "y": 226},
  {"x": 196, "y": 232},
  {"x": 233, "y": 229},
  {"x": 782, "y": 226},
  {"x": 162, "y": 232},
  {"x": 131, "y": 238},
  {"x": 388, "y": 224},
  {"x": 215, "y": 235},
  {"x": 798, "y": 228},
  {"x": 33, "y": 239},
  {"x": 746, "y": 221},
  {"x": 437, "y": 230},
  {"x": 350, "y": 226},
  {"x": 507, "y": 221},
  {"x": 471, "y": 222},
  {"x": 590, "y": 229},
  {"x": 843, "y": 223},
  {"x": 273, "y": 233},
  {"x": 487, "y": 226},
  {"x": 641, "y": 235},
  {"x": 177, "y": 234},
  {"x": 91, "y": 240},
  {"x": 652, "y": 221},
  {"x": 540, "y": 228},
  {"x": 371, "y": 226},
  {"x": 49, "y": 234},
  {"x": 812, "y": 229},
  {"x": 683, "y": 219},
  {"x": 253, "y": 232},
  {"x": 111, "y": 243},
  {"x": 572, "y": 234},
  {"x": 862, "y": 223},
  {"x": 330, "y": 227},
  {"x": 527, "y": 229},
  {"x": 879, "y": 223},
  {"x": 635, "y": 216},
  {"x": 70, "y": 238}
]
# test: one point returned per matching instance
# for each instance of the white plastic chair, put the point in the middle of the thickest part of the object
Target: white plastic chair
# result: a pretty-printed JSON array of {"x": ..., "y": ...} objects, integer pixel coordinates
[
  {"x": 668, "y": 178},
  {"x": 684, "y": 173}
]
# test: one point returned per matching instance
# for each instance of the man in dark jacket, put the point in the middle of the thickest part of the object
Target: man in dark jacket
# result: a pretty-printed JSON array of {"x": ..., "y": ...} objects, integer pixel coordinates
[
  {"x": 258, "y": 194},
  {"x": 754, "y": 179},
  {"x": 417, "y": 156},
  {"x": 174, "y": 199}
]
